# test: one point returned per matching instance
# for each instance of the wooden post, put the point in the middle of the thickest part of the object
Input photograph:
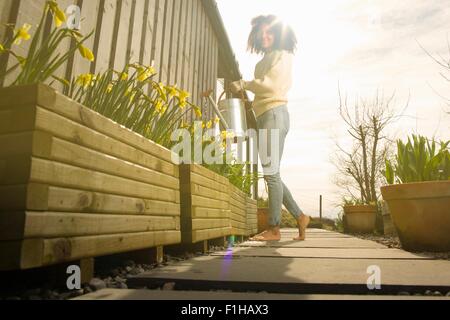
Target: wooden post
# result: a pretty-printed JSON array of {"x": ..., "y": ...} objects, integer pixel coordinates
[
  {"x": 320, "y": 208},
  {"x": 87, "y": 270}
]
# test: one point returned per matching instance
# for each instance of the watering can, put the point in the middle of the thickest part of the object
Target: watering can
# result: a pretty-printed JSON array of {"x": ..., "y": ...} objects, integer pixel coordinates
[{"x": 231, "y": 112}]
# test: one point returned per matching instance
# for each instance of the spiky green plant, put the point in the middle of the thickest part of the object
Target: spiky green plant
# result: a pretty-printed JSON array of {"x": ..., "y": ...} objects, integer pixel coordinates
[{"x": 419, "y": 160}]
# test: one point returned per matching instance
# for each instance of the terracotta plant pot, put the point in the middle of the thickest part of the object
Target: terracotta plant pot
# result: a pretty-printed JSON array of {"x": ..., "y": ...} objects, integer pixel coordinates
[
  {"x": 421, "y": 214},
  {"x": 263, "y": 219},
  {"x": 360, "y": 219}
]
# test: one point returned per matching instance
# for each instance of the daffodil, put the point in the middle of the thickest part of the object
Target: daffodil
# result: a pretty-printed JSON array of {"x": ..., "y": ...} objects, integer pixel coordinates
[
  {"x": 209, "y": 124},
  {"x": 216, "y": 120},
  {"x": 198, "y": 112},
  {"x": 22, "y": 34},
  {"x": 160, "y": 87},
  {"x": 58, "y": 15},
  {"x": 172, "y": 91},
  {"x": 85, "y": 80},
  {"x": 86, "y": 53},
  {"x": 158, "y": 106},
  {"x": 183, "y": 95},
  {"x": 109, "y": 88},
  {"x": 145, "y": 72},
  {"x": 2, "y": 49},
  {"x": 124, "y": 76}
]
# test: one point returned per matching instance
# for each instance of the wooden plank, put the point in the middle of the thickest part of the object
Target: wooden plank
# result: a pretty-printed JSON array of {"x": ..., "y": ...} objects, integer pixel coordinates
[
  {"x": 207, "y": 62},
  {"x": 203, "y": 224},
  {"x": 8, "y": 15},
  {"x": 196, "y": 53},
  {"x": 199, "y": 201},
  {"x": 69, "y": 249},
  {"x": 184, "y": 43},
  {"x": 89, "y": 13},
  {"x": 136, "y": 31},
  {"x": 208, "y": 192},
  {"x": 15, "y": 171},
  {"x": 25, "y": 225},
  {"x": 165, "y": 53},
  {"x": 40, "y": 197},
  {"x": 236, "y": 217},
  {"x": 65, "y": 45},
  {"x": 182, "y": 39},
  {"x": 201, "y": 235},
  {"x": 147, "y": 32},
  {"x": 201, "y": 57},
  {"x": 73, "y": 154},
  {"x": 215, "y": 60},
  {"x": 158, "y": 36},
  {"x": 26, "y": 143},
  {"x": 189, "y": 70},
  {"x": 205, "y": 182},
  {"x": 27, "y": 12},
  {"x": 174, "y": 43},
  {"x": 210, "y": 174},
  {"x": 22, "y": 197},
  {"x": 238, "y": 204},
  {"x": 199, "y": 212},
  {"x": 5, "y": 13},
  {"x": 105, "y": 35},
  {"x": 121, "y": 35},
  {"x": 24, "y": 254},
  {"x": 26, "y": 119}
]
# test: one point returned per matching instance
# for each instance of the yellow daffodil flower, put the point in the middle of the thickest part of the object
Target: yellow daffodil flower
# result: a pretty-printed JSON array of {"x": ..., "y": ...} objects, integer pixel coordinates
[
  {"x": 2, "y": 48},
  {"x": 198, "y": 112},
  {"x": 22, "y": 34},
  {"x": 58, "y": 15},
  {"x": 145, "y": 72},
  {"x": 124, "y": 76},
  {"x": 209, "y": 124},
  {"x": 160, "y": 88},
  {"x": 173, "y": 92},
  {"x": 158, "y": 106},
  {"x": 109, "y": 88},
  {"x": 85, "y": 80},
  {"x": 86, "y": 53}
]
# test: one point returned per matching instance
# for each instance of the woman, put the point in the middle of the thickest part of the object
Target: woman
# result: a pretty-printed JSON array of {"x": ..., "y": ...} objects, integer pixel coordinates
[{"x": 273, "y": 79}]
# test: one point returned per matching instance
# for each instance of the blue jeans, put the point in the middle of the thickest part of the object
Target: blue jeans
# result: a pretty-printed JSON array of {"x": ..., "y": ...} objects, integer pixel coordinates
[{"x": 279, "y": 194}]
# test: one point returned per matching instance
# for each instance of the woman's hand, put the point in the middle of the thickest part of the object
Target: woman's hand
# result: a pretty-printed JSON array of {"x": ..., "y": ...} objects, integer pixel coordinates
[{"x": 236, "y": 86}]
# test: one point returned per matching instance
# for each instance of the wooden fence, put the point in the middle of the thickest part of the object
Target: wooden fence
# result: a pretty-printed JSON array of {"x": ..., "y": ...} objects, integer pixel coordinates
[{"x": 185, "y": 39}]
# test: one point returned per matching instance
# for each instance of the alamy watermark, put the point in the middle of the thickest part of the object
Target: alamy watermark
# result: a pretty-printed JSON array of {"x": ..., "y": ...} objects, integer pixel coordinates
[
  {"x": 374, "y": 280},
  {"x": 208, "y": 147}
]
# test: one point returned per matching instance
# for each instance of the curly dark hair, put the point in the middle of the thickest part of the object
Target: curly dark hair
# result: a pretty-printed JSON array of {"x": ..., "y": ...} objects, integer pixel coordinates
[{"x": 284, "y": 36}]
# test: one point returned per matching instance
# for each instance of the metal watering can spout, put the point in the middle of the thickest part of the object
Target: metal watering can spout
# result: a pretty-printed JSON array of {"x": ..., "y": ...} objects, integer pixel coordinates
[{"x": 231, "y": 112}]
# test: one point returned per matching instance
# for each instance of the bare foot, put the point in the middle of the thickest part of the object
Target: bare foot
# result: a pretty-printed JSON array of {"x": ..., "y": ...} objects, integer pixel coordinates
[
  {"x": 268, "y": 235},
  {"x": 303, "y": 222}
]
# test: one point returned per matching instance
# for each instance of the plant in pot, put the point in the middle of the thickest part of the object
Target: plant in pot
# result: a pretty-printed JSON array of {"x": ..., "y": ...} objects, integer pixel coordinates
[
  {"x": 418, "y": 194},
  {"x": 359, "y": 217}
]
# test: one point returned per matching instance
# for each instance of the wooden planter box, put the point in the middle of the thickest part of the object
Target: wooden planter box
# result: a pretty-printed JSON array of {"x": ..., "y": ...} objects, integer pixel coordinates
[
  {"x": 205, "y": 204},
  {"x": 238, "y": 206},
  {"x": 75, "y": 184},
  {"x": 252, "y": 217}
]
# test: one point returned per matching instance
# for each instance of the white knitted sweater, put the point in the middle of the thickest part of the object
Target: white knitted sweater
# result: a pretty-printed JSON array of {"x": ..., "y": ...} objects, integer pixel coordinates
[{"x": 273, "y": 80}]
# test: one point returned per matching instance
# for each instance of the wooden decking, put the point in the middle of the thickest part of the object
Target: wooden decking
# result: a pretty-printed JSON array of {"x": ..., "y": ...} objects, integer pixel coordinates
[{"x": 327, "y": 263}]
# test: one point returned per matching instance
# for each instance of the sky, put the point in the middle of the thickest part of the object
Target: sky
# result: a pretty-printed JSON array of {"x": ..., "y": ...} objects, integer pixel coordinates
[{"x": 361, "y": 47}]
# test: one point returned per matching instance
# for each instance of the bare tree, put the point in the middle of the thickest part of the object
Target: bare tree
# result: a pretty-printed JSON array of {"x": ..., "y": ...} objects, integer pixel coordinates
[
  {"x": 444, "y": 63},
  {"x": 359, "y": 169}
]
